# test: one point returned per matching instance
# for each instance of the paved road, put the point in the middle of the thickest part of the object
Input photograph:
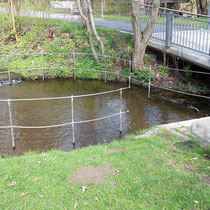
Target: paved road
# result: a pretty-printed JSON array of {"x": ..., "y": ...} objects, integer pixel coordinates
[{"x": 100, "y": 22}]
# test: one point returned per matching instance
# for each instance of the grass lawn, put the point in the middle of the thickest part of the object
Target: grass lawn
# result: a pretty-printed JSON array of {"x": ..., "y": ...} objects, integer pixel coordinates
[
  {"x": 160, "y": 172},
  {"x": 115, "y": 17}
]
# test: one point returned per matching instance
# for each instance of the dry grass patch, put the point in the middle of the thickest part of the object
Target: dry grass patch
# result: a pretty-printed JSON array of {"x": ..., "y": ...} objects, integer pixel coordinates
[
  {"x": 90, "y": 174},
  {"x": 110, "y": 151},
  {"x": 206, "y": 179}
]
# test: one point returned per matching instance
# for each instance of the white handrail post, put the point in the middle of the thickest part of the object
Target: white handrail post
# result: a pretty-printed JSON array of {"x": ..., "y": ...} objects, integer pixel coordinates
[
  {"x": 74, "y": 57},
  {"x": 72, "y": 117},
  {"x": 11, "y": 126},
  {"x": 149, "y": 84},
  {"x": 121, "y": 111},
  {"x": 9, "y": 73},
  {"x": 130, "y": 66},
  {"x": 43, "y": 67},
  {"x": 105, "y": 76}
]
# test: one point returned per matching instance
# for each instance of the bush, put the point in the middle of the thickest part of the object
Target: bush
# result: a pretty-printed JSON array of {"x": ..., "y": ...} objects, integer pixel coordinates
[{"x": 143, "y": 75}]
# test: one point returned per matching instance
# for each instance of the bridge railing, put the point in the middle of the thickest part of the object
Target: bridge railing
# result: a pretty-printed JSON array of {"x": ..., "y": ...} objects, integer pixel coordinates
[{"x": 174, "y": 29}]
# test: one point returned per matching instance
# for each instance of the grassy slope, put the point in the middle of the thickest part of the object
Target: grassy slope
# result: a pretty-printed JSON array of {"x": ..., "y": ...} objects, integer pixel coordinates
[
  {"x": 35, "y": 36},
  {"x": 154, "y": 173}
]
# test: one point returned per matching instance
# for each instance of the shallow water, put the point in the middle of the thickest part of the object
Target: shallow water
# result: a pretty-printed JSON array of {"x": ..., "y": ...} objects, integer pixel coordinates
[{"x": 142, "y": 114}]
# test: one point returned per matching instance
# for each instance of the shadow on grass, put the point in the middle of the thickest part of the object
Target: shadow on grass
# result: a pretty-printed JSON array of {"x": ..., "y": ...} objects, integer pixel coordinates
[{"x": 192, "y": 146}]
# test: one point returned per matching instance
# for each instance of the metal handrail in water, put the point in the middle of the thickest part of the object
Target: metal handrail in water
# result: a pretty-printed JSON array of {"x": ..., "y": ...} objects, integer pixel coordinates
[{"x": 72, "y": 123}]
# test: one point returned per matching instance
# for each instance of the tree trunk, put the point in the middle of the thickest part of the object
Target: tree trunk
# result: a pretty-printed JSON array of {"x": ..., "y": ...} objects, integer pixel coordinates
[
  {"x": 13, "y": 19},
  {"x": 141, "y": 38},
  {"x": 17, "y": 4},
  {"x": 202, "y": 6},
  {"x": 101, "y": 44},
  {"x": 89, "y": 30},
  {"x": 26, "y": 2}
]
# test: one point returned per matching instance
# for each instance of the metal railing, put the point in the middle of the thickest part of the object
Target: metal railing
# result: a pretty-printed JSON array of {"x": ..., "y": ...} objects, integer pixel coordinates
[
  {"x": 72, "y": 123},
  {"x": 11, "y": 64},
  {"x": 187, "y": 32},
  {"x": 10, "y": 68}
]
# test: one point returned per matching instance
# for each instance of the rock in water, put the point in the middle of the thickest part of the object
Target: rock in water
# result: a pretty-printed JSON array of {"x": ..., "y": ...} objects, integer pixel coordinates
[{"x": 7, "y": 82}]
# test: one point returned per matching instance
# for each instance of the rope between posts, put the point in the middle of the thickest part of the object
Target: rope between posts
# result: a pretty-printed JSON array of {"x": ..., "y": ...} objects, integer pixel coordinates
[
  {"x": 65, "y": 97},
  {"x": 102, "y": 71},
  {"x": 64, "y": 124},
  {"x": 177, "y": 91},
  {"x": 168, "y": 89},
  {"x": 158, "y": 67},
  {"x": 88, "y": 54}
]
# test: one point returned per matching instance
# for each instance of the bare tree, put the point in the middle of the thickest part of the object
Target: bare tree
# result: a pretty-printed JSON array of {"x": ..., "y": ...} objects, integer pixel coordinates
[
  {"x": 98, "y": 38},
  {"x": 12, "y": 11},
  {"x": 87, "y": 23},
  {"x": 90, "y": 24},
  {"x": 141, "y": 38}
]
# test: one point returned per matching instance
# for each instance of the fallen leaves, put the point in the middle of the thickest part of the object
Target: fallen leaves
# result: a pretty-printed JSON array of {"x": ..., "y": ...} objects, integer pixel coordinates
[
  {"x": 117, "y": 170},
  {"x": 25, "y": 193},
  {"x": 75, "y": 205},
  {"x": 37, "y": 179},
  {"x": 196, "y": 202},
  {"x": 84, "y": 189},
  {"x": 12, "y": 184},
  {"x": 195, "y": 158},
  {"x": 96, "y": 198}
]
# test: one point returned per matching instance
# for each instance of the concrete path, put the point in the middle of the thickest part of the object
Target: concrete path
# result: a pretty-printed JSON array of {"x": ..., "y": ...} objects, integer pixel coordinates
[
  {"x": 181, "y": 129},
  {"x": 198, "y": 58}
]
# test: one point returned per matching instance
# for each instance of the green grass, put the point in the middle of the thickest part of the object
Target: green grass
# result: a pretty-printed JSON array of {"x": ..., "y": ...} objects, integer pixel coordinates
[
  {"x": 154, "y": 173},
  {"x": 114, "y": 17},
  {"x": 34, "y": 6},
  {"x": 70, "y": 37}
]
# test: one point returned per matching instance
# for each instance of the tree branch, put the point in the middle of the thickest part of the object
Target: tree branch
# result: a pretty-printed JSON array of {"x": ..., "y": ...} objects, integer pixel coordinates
[{"x": 89, "y": 31}]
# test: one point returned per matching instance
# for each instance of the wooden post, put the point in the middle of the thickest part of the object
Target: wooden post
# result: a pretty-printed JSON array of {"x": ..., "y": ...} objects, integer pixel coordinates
[
  {"x": 121, "y": 111},
  {"x": 11, "y": 127},
  {"x": 149, "y": 85},
  {"x": 72, "y": 117}
]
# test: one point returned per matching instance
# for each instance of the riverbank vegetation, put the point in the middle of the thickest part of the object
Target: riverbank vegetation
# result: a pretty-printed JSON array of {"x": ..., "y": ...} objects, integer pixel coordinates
[
  {"x": 51, "y": 36},
  {"x": 159, "y": 172}
]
